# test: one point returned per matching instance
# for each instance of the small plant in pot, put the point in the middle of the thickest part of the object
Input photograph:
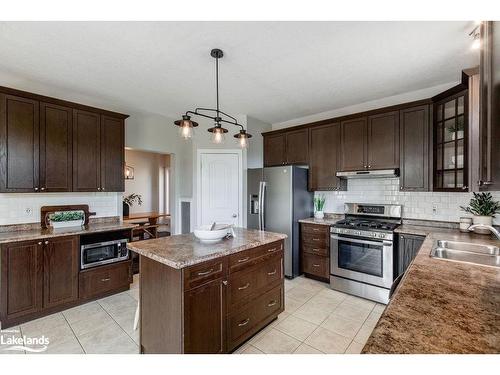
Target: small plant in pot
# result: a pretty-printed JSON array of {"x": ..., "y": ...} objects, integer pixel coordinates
[
  {"x": 129, "y": 201},
  {"x": 484, "y": 208},
  {"x": 319, "y": 204}
]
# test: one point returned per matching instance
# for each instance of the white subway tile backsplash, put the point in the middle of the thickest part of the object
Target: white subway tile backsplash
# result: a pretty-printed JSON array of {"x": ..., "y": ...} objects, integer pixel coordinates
[
  {"x": 416, "y": 205},
  {"x": 13, "y": 207}
]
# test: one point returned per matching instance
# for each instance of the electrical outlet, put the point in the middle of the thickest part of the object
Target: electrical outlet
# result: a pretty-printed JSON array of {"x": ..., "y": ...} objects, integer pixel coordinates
[
  {"x": 28, "y": 211},
  {"x": 434, "y": 209}
]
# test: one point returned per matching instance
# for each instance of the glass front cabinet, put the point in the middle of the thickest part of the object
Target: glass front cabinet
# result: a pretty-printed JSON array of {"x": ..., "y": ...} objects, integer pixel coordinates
[{"x": 450, "y": 143}]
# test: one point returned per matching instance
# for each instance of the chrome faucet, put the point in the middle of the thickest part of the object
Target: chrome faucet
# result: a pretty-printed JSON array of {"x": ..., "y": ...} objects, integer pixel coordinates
[{"x": 483, "y": 226}]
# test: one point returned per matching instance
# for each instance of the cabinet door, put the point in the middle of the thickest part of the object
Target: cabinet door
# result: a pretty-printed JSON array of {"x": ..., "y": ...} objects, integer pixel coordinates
[
  {"x": 56, "y": 148},
  {"x": 414, "y": 149},
  {"x": 353, "y": 145},
  {"x": 297, "y": 147},
  {"x": 19, "y": 144},
  {"x": 408, "y": 248},
  {"x": 60, "y": 271},
  {"x": 86, "y": 151},
  {"x": 112, "y": 154},
  {"x": 21, "y": 281},
  {"x": 205, "y": 316},
  {"x": 274, "y": 150},
  {"x": 324, "y": 154},
  {"x": 383, "y": 141}
]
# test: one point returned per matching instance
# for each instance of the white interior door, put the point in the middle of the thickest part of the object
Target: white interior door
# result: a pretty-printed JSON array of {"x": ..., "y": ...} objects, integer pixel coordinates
[{"x": 220, "y": 188}]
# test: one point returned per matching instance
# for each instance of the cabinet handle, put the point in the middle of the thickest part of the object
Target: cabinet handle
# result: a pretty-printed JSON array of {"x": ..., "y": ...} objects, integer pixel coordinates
[
  {"x": 40, "y": 243},
  {"x": 272, "y": 303},
  {"x": 102, "y": 189},
  {"x": 465, "y": 187},
  {"x": 369, "y": 166},
  {"x": 106, "y": 279},
  {"x": 271, "y": 250},
  {"x": 46, "y": 242},
  {"x": 206, "y": 272},
  {"x": 315, "y": 230},
  {"x": 317, "y": 250},
  {"x": 401, "y": 187},
  {"x": 272, "y": 273},
  {"x": 42, "y": 188},
  {"x": 36, "y": 189},
  {"x": 244, "y": 322},
  {"x": 316, "y": 239},
  {"x": 99, "y": 188},
  {"x": 243, "y": 260},
  {"x": 224, "y": 282},
  {"x": 316, "y": 265},
  {"x": 244, "y": 287}
]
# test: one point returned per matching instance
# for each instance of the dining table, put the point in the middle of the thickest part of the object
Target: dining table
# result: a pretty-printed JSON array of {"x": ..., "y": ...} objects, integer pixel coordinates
[{"x": 147, "y": 221}]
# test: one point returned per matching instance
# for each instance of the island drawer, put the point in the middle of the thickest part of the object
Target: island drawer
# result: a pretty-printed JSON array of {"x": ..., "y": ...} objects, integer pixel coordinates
[
  {"x": 315, "y": 229},
  {"x": 202, "y": 273},
  {"x": 101, "y": 280},
  {"x": 244, "y": 283},
  {"x": 316, "y": 265},
  {"x": 250, "y": 257},
  {"x": 241, "y": 324}
]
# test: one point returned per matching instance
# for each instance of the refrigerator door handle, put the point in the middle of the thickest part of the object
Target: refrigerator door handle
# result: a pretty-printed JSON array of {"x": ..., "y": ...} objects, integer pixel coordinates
[{"x": 262, "y": 204}]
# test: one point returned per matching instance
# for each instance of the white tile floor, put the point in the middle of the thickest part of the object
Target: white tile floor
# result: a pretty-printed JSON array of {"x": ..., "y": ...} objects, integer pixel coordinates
[{"x": 316, "y": 320}]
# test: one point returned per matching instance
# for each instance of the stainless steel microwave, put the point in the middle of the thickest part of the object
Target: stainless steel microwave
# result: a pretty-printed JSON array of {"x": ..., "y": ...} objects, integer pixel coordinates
[{"x": 97, "y": 254}]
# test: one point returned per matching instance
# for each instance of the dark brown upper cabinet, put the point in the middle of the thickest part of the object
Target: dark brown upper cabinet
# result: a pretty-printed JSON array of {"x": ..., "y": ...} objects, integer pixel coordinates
[
  {"x": 291, "y": 147},
  {"x": 353, "y": 144},
  {"x": 324, "y": 152},
  {"x": 56, "y": 148},
  {"x": 383, "y": 141},
  {"x": 274, "y": 150},
  {"x": 19, "y": 144},
  {"x": 451, "y": 143},
  {"x": 297, "y": 147},
  {"x": 51, "y": 145},
  {"x": 414, "y": 149},
  {"x": 112, "y": 156},
  {"x": 86, "y": 151}
]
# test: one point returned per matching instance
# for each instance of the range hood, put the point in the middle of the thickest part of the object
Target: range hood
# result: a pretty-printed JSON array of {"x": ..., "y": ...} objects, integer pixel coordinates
[{"x": 381, "y": 173}]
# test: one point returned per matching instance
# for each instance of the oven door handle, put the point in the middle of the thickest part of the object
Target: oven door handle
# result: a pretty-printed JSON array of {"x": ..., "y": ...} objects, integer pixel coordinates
[{"x": 364, "y": 242}]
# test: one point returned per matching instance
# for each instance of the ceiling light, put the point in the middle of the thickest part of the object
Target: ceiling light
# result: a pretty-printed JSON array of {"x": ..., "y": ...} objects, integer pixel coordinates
[
  {"x": 186, "y": 125},
  {"x": 242, "y": 138}
]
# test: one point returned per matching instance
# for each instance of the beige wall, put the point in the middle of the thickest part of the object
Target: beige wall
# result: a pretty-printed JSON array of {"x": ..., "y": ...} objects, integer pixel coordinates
[{"x": 146, "y": 180}]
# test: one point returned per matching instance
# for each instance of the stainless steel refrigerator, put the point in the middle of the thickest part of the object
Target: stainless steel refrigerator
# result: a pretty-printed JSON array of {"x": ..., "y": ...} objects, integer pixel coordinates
[{"x": 277, "y": 199}]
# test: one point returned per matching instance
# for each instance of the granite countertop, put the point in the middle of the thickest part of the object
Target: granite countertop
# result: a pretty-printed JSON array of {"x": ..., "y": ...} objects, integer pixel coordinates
[
  {"x": 180, "y": 251},
  {"x": 329, "y": 221},
  {"x": 39, "y": 233},
  {"x": 441, "y": 306}
]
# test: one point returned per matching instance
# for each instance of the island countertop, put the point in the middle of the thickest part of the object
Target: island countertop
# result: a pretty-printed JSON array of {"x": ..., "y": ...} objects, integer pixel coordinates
[
  {"x": 441, "y": 306},
  {"x": 180, "y": 251}
]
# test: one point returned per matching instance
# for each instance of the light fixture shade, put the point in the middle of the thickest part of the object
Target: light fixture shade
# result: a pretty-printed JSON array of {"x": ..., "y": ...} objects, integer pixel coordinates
[
  {"x": 186, "y": 126},
  {"x": 129, "y": 173},
  {"x": 218, "y": 132},
  {"x": 242, "y": 138}
]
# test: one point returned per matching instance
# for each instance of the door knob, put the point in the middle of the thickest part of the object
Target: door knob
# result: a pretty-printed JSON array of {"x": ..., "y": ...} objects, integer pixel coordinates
[{"x": 234, "y": 215}]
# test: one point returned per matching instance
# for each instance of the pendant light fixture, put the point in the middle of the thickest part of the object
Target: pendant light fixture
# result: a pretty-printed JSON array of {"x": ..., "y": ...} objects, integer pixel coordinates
[{"x": 219, "y": 117}]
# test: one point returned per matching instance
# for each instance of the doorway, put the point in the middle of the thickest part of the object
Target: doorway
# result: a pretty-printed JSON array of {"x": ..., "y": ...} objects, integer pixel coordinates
[{"x": 220, "y": 187}]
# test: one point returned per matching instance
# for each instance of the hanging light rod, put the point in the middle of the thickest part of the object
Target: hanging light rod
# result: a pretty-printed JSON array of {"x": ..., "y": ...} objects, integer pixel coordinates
[{"x": 219, "y": 117}]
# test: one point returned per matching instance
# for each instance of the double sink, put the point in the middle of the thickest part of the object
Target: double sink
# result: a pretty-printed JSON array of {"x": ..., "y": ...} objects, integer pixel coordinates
[{"x": 465, "y": 252}]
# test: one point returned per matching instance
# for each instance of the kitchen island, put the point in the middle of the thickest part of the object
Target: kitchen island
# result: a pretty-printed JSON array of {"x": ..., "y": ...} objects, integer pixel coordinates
[{"x": 208, "y": 298}]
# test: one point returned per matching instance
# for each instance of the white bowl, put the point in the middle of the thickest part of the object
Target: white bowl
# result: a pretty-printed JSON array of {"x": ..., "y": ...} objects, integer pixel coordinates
[{"x": 204, "y": 234}]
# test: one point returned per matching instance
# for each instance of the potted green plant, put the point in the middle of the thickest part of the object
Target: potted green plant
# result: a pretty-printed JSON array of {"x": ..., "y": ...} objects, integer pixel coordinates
[
  {"x": 129, "y": 201},
  {"x": 458, "y": 132},
  {"x": 484, "y": 208},
  {"x": 319, "y": 204},
  {"x": 66, "y": 219}
]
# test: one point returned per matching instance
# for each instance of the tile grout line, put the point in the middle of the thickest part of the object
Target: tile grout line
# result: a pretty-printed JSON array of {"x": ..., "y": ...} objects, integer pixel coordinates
[
  {"x": 74, "y": 334},
  {"x": 107, "y": 312}
]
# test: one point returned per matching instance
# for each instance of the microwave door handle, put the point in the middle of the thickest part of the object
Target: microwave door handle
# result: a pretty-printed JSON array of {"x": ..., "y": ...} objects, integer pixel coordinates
[{"x": 364, "y": 242}]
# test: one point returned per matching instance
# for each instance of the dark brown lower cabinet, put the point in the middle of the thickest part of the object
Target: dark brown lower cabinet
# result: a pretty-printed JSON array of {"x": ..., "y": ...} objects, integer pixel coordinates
[
  {"x": 21, "y": 280},
  {"x": 60, "y": 268},
  {"x": 212, "y": 307},
  {"x": 408, "y": 247},
  {"x": 315, "y": 251},
  {"x": 204, "y": 324},
  {"x": 41, "y": 277}
]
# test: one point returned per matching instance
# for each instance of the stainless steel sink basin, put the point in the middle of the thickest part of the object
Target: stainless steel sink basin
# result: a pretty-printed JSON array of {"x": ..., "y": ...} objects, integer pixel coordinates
[{"x": 465, "y": 252}]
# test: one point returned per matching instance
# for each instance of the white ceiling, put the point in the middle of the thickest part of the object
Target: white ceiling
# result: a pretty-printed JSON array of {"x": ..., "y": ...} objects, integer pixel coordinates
[{"x": 273, "y": 71}]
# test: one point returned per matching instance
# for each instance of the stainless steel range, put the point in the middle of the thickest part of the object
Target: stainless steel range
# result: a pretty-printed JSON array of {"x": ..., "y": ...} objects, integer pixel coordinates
[{"x": 362, "y": 250}]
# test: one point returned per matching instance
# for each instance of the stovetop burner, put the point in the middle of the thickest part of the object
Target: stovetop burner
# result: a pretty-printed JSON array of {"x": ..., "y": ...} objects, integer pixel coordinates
[{"x": 366, "y": 224}]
